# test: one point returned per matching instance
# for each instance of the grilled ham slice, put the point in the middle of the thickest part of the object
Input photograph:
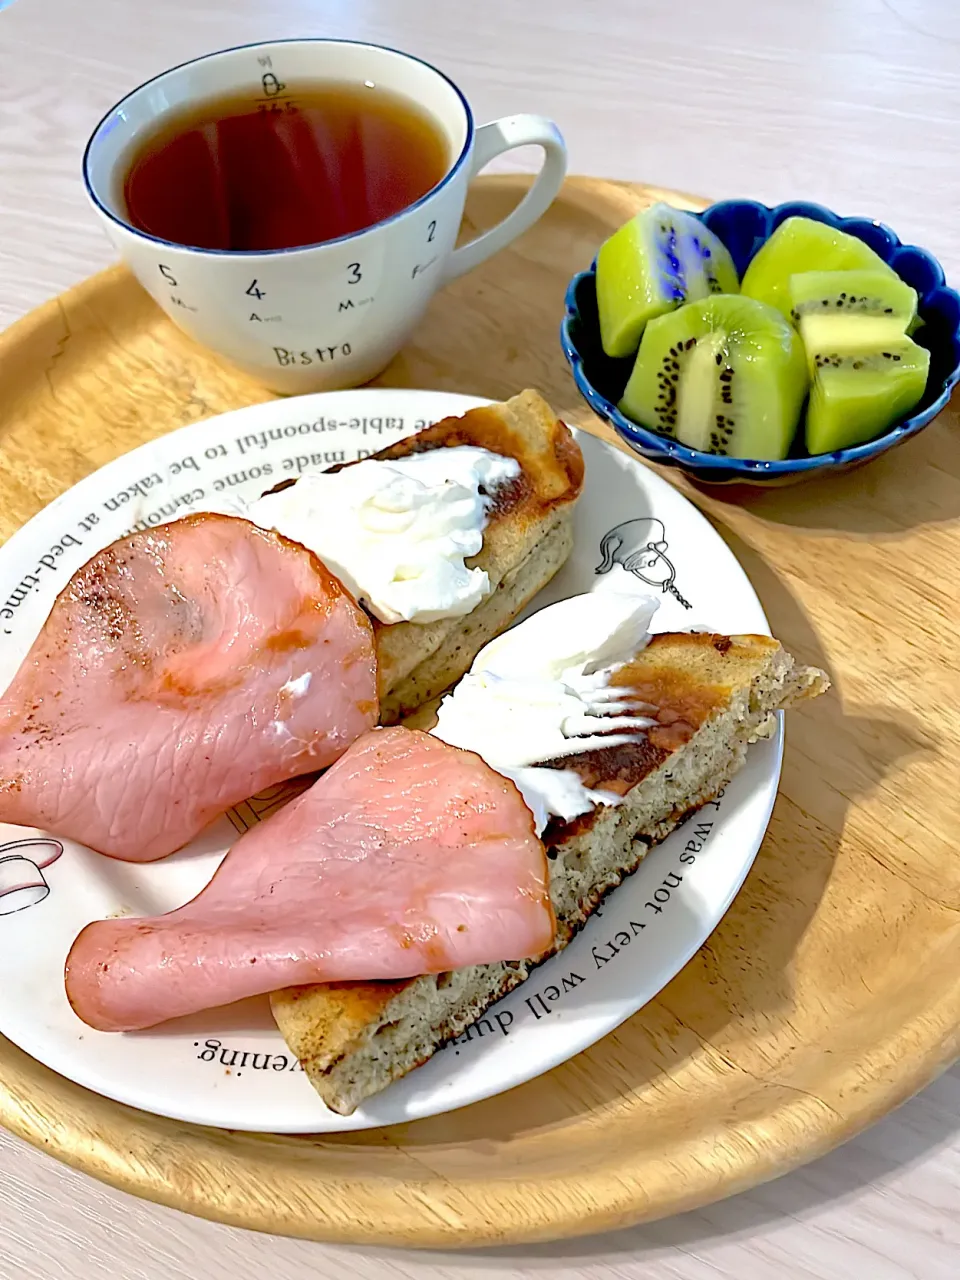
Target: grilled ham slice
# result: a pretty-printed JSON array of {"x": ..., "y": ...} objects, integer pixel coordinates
[
  {"x": 407, "y": 857},
  {"x": 180, "y": 671}
]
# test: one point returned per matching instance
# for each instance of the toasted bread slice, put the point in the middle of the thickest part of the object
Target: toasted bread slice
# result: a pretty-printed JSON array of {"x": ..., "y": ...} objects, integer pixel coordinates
[
  {"x": 527, "y": 539},
  {"x": 715, "y": 695}
]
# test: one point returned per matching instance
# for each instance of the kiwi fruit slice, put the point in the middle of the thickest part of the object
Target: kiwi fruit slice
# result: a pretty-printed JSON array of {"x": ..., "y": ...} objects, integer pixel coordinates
[
  {"x": 725, "y": 375},
  {"x": 800, "y": 245},
  {"x": 653, "y": 264},
  {"x": 866, "y": 377},
  {"x": 836, "y": 334},
  {"x": 843, "y": 293}
]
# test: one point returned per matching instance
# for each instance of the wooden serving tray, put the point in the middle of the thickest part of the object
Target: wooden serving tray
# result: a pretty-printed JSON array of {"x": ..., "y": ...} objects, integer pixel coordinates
[{"x": 829, "y": 993}]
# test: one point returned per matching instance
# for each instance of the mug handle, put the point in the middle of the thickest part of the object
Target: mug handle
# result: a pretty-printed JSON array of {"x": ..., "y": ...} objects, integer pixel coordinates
[{"x": 493, "y": 140}]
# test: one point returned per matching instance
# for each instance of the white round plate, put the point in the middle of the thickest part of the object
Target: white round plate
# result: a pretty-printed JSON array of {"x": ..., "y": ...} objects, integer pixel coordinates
[{"x": 230, "y": 1067}]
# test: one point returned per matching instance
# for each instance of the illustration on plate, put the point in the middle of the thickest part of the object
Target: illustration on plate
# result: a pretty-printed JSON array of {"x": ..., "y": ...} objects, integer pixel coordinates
[
  {"x": 22, "y": 864},
  {"x": 640, "y": 547},
  {"x": 258, "y": 808}
]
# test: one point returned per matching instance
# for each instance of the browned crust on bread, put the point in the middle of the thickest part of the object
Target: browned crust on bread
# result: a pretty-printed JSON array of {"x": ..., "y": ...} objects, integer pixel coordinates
[
  {"x": 551, "y": 462},
  {"x": 526, "y": 429},
  {"x": 681, "y": 678},
  {"x": 336, "y": 1020}
]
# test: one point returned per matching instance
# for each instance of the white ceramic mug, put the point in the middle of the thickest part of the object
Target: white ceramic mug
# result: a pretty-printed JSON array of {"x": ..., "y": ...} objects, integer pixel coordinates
[{"x": 327, "y": 315}]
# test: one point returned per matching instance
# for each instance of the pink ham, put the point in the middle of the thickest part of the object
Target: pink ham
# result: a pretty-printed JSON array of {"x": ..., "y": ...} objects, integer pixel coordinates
[
  {"x": 180, "y": 671},
  {"x": 408, "y": 857}
]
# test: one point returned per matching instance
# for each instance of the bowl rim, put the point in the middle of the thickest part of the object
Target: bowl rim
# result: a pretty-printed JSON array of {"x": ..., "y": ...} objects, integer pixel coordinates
[{"x": 653, "y": 444}]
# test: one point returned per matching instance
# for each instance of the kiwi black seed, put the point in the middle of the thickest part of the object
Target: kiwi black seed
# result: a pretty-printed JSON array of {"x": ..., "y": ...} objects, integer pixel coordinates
[{"x": 858, "y": 360}]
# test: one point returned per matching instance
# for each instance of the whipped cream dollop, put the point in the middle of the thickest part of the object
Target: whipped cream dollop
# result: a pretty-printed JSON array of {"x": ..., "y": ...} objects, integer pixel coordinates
[
  {"x": 396, "y": 532},
  {"x": 542, "y": 691}
]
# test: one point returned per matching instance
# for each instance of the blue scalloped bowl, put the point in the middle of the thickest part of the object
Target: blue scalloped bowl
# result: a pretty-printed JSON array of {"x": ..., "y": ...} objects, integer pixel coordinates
[{"x": 743, "y": 226}]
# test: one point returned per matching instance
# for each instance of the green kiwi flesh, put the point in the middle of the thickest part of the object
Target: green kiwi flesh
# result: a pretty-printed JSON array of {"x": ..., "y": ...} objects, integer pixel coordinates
[
  {"x": 725, "y": 375},
  {"x": 800, "y": 245},
  {"x": 866, "y": 377},
  {"x": 868, "y": 293},
  {"x": 658, "y": 260}
]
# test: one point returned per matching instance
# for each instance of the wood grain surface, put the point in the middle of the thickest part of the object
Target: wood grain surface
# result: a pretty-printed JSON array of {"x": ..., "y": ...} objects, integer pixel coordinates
[
  {"x": 853, "y": 102},
  {"x": 827, "y": 995}
]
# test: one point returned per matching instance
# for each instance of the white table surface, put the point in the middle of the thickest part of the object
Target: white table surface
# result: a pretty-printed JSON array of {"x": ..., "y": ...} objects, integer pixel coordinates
[{"x": 852, "y": 102}]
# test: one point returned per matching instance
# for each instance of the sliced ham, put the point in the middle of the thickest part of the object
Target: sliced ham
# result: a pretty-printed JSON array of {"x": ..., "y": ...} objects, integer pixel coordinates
[
  {"x": 180, "y": 671},
  {"x": 407, "y": 857}
]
